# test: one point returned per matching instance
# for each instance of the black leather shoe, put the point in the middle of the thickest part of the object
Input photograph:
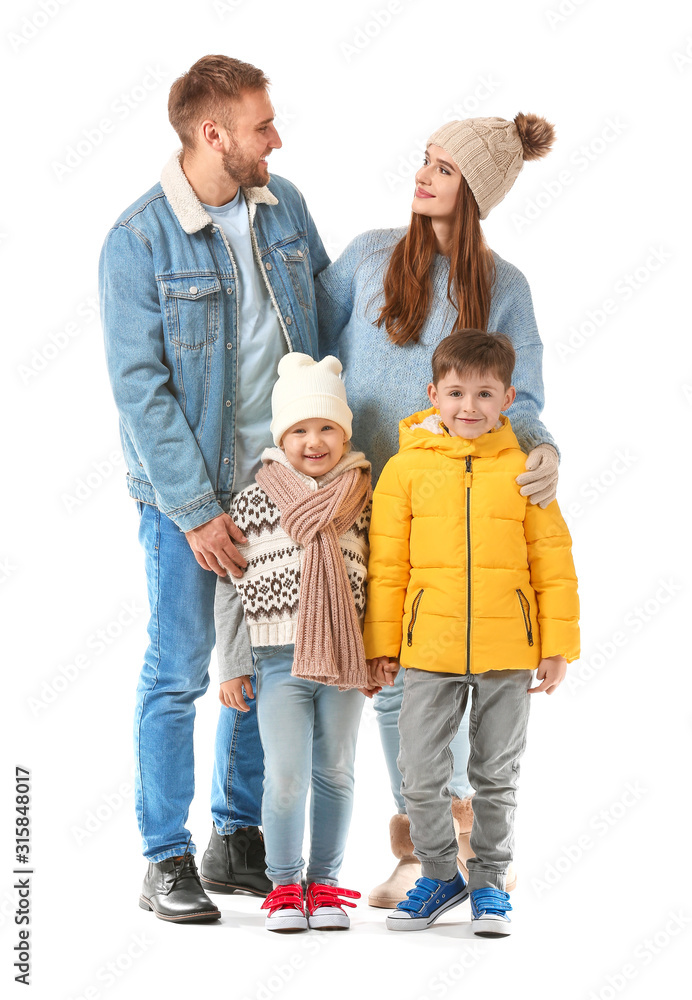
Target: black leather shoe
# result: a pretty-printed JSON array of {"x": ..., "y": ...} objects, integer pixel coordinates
[
  {"x": 235, "y": 862},
  {"x": 172, "y": 890}
]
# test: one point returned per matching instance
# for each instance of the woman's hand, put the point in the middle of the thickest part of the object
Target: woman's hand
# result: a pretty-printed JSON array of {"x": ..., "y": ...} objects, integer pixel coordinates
[
  {"x": 231, "y": 693},
  {"x": 539, "y": 482}
]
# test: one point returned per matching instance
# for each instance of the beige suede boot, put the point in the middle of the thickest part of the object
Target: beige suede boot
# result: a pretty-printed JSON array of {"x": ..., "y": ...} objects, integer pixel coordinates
[
  {"x": 462, "y": 814},
  {"x": 404, "y": 876}
]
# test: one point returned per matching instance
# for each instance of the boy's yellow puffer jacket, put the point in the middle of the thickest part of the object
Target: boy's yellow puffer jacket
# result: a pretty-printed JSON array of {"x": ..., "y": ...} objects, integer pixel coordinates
[{"x": 466, "y": 575}]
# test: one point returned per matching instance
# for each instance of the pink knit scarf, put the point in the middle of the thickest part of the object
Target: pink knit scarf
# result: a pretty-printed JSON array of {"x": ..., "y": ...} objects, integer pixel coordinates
[{"x": 329, "y": 645}]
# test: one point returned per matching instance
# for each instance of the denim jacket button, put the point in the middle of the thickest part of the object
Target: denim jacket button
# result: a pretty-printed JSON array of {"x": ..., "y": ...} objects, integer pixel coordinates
[
  {"x": 193, "y": 289},
  {"x": 229, "y": 290},
  {"x": 226, "y": 461},
  {"x": 268, "y": 265},
  {"x": 299, "y": 253},
  {"x": 288, "y": 320},
  {"x": 213, "y": 229},
  {"x": 229, "y": 346},
  {"x": 228, "y": 402}
]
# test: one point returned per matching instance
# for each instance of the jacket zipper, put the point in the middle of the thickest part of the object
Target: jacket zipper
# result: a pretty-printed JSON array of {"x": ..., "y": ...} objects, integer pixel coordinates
[
  {"x": 526, "y": 612},
  {"x": 467, "y": 480},
  {"x": 412, "y": 620}
]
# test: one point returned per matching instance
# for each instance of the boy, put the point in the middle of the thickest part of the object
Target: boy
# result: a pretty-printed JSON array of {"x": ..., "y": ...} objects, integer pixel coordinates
[{"x": 480, "y": 585}]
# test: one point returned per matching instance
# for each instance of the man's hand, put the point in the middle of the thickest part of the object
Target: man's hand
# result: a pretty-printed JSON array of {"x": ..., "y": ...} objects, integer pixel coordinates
[
  {"x": 231, "y": 693},
  {"x": 539, "y": 482},
  {"x": 383, "y": 670},
  {"x": 212, "y": 544},
  {"x": 551, "y": 671}
]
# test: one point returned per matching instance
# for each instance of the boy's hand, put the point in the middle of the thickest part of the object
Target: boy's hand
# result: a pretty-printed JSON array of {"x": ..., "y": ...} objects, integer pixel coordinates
[
  {"x": 383, "y": 669},
  {"x": 369, "y": 691},
  {"x": 551, "y": 672},
  {"x": 231, "y": 693}
]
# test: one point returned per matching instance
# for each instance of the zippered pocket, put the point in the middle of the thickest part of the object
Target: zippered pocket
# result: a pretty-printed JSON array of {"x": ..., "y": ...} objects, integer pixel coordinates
[
  {"x": 412, "y": 619},
  {"x": 526, "y": 614}
]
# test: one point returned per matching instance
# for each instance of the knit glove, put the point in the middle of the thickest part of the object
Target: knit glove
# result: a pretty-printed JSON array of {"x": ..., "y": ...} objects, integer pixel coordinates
[{"x": 539, "y": 482}]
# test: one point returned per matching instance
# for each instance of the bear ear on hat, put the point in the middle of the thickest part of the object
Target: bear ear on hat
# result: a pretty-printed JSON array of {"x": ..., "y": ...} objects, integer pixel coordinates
[
  {"x": 294, "y": 360},
  {"x": 332, "y": 364}
]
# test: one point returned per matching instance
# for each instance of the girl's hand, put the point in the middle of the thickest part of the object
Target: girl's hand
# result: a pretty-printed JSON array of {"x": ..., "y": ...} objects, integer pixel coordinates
[
  {"x": 369, "y": 691},
  {"x": 231, "y": 693},
  {"x": 551, "y": 671}
]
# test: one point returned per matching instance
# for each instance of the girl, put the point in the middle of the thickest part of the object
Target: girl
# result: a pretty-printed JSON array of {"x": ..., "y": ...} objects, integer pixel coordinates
[
  {"x": 383, "y": 307},
  {"x": 303, "y": 595}
]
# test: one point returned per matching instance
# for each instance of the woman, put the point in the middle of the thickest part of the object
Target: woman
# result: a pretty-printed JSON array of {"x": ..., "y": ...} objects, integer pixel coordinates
[{"x": 385, "y": 304}]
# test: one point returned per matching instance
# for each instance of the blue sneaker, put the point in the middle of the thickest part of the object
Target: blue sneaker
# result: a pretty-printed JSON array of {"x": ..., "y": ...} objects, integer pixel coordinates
[
  {"x": 489, "y": 912},
  {"x": 426, "y": 901}
]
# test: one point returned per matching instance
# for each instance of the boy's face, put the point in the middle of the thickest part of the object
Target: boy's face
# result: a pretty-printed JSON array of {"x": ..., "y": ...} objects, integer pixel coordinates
[
  {"x": 314, "y": 446},
  {"x": 470, "y": 403}
]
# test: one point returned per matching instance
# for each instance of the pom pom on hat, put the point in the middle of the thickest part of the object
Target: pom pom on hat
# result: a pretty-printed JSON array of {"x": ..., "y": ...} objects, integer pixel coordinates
[
  {"x": 536, "y": 135},
  {"x": 307, "y": 388},
  {"x": 490, "y": 152}
]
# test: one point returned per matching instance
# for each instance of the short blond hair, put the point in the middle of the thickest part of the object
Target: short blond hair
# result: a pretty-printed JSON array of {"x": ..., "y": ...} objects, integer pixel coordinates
[{"x": 205, "y": 90}]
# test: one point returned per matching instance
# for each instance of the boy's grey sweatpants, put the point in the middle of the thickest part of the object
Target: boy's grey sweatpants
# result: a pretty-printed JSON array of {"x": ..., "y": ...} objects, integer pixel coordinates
[{"x": 431, "y": 711}]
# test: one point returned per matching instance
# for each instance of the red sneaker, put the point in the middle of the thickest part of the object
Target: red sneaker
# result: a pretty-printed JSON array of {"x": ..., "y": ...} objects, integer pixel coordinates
[
  {"x": 286, "y": 909},
  {"x": 325, "y": 907}
]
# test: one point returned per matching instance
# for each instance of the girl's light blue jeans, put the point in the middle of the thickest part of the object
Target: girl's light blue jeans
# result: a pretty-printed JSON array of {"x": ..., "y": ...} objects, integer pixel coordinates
[
  {"x": 308, "y": 732},
  {"x": 387, "y": 706}
]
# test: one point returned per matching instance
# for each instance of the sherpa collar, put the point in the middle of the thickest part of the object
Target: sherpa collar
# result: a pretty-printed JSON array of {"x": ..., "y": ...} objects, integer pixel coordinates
[{"x": 189, "y": 210}]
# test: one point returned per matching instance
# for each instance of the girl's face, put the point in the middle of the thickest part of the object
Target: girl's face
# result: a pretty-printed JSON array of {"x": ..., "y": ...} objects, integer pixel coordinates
[
  {"x": 314, "y": 446},
  {"x": 437, "y": 185}
]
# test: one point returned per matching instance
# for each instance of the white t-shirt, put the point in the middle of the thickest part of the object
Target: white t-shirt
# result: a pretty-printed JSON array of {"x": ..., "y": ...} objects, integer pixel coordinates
[{"x": 261, "y": 344}]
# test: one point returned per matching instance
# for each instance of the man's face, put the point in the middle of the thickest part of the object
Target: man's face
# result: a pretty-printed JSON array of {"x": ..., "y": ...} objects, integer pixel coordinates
[{"x": 250, "y": 139}]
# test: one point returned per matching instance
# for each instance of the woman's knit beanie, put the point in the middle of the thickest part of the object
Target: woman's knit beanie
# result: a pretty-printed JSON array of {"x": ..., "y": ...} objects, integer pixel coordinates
[
  {"x": 307, "y": 388},
  {"x": 490, "y": 152}
]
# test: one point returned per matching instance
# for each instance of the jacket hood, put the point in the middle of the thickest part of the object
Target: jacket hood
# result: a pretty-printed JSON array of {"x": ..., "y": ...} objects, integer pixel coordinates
[
  {"x": 189, "y": 210},
  {"x": 425, "y": 429},
  {"x": 351, "y": 460}
]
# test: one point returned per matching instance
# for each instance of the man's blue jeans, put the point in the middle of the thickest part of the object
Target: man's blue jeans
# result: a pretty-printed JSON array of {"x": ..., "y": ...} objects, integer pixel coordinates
[{"x": 174, "y": 675}]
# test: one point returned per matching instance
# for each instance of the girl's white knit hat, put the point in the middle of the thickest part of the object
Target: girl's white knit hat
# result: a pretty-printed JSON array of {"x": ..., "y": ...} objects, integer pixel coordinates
[{"x": 307, "y": 388}]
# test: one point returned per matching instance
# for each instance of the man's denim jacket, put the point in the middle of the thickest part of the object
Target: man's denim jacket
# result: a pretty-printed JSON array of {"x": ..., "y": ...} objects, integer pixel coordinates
[{"x": 169, "y": 310}]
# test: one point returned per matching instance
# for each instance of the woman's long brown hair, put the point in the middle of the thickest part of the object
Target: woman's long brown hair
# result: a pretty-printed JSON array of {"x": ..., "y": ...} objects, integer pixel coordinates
[{"x": 408, "y": 284}]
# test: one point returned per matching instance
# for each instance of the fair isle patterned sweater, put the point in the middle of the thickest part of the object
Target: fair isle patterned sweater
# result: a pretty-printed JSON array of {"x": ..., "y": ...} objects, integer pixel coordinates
[{"x": 267, "y": 593}]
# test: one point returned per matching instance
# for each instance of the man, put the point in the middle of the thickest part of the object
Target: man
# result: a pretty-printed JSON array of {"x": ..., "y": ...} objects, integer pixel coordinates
[{"x": 205, "y": 282}]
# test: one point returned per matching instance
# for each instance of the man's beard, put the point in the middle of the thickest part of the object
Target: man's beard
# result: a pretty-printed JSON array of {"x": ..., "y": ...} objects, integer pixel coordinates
[{"x": 242, "y": 169}]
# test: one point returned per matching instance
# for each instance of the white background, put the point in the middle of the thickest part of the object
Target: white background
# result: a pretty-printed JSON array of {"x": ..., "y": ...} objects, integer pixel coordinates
[{"x": 603, "y": 823}]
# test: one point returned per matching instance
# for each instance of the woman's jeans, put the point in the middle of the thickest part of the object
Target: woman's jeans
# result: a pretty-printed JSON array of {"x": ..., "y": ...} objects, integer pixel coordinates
[
  {"x": 174, "y": 675},
  {"x": 309, "y": 735},
  {"x": 387, "y": 706}
]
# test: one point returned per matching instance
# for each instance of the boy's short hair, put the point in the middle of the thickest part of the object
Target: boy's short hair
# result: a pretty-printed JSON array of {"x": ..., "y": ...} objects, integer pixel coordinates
[
  {"x": 474, "y": 351},
  {"x": 205, "y": 92}
]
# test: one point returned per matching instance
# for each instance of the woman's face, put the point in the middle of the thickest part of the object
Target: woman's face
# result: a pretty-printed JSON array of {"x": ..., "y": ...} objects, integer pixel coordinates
[{"x": 437, "y": 185}]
